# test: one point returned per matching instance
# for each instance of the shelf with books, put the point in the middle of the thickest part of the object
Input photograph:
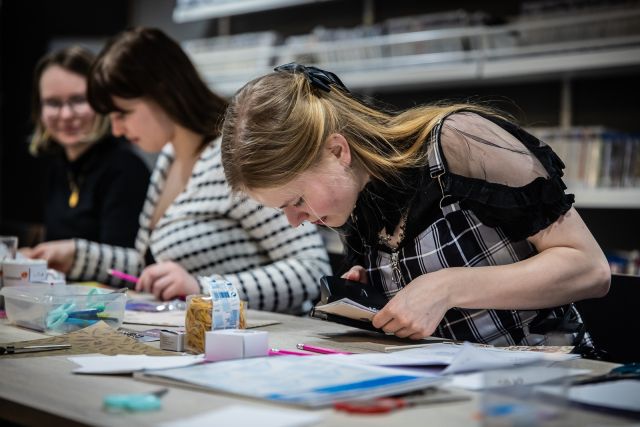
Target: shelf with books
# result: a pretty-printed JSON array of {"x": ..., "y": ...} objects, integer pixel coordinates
[
  {"x": 196, "y": 10},
  {"x": 399, "y": 53},
  {"x": 447, "y": 49},
  {"x": 602, "y": 167}
]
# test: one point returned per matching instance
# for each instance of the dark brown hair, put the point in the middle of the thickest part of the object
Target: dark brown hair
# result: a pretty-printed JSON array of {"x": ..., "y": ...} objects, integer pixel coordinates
[
  {"x": 77, "y": 60},
  {"x": 145, "y": 62}
]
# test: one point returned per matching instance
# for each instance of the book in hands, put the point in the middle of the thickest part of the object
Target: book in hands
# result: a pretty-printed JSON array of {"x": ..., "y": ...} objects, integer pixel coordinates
[
  {"x": 347, "y": 308},
  {"x": 349, "y": 303}
]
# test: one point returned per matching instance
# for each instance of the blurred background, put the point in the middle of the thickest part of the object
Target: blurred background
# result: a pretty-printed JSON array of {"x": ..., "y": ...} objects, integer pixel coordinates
[{"x": 566, "y": 69}]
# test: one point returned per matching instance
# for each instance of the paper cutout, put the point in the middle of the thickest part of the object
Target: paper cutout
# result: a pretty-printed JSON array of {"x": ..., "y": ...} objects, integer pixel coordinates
[
  {"x": 128, "y": 363},
  {"x": 97, "y": 338},
  {"x": 249, "y": 415}
]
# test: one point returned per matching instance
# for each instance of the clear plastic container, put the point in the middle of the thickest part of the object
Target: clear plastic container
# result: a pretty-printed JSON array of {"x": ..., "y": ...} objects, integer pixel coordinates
[{"x": 62, "y": 308}]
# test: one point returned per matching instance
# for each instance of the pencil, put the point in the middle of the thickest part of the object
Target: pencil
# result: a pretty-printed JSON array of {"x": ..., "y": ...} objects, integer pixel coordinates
[
  {"x": 278, "y": 352},
  {"x": 320, "y": 350},
  {"x": 123, "y": 276}
]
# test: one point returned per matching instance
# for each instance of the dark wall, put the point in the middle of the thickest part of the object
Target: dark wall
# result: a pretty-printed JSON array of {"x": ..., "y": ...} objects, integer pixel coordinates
[{"x": 26, "y": 29}]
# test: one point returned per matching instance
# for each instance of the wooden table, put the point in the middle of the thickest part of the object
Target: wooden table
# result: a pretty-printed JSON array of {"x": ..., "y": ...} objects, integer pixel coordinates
[{"x": 43, "y": 391}]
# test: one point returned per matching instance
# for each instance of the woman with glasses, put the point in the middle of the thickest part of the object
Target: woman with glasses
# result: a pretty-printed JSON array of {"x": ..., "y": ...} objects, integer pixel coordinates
[
  {"x": 96, "y": 184},
  {"x": 454, "y": 213},
  {"x": 192, "y": 229}
]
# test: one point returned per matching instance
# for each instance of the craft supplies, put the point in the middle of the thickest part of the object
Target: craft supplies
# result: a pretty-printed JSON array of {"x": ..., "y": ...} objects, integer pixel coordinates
[
  {"x": 222, "y": 309},
  {"x": 229, "y": 344}
]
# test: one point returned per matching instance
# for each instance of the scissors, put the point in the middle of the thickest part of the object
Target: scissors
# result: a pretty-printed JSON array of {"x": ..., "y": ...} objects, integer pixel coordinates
[
  {"x": 86, "y": 317},
  {"x": 384, "y": 405},
  {"x": 95, "y": 298},
  {"x": 134, "y": 402},
  {"x": 59, "y": 315},
  {"x": 630, "y": 371},
  {"x": 10, "y": 349}
]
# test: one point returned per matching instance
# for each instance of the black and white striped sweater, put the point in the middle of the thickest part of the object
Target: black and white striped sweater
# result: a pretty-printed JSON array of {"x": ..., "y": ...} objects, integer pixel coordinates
[{"x": 211, "y": 232}]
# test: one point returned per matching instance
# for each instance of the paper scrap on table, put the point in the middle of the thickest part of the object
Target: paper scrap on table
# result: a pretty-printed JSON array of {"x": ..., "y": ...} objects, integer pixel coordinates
[
  {"x": 435, "y": 354},
  {"x": 620, "y": 394},
  {"x": 97, "y": 338},
  {"x": 125, "y": 364},
  {"x": 176, "y": 318},
  {"x": 473, "y": 358},
  {"x": 480, "y": 380},
  {"x": 457, "y": 358},
  {"x": 248, "y": 416},
  {"x": 163, "y": 318}
]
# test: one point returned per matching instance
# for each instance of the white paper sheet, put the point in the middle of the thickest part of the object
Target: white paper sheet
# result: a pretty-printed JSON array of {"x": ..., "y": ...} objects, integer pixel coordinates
[
  {"x": 456, "y": 358},
  {"x": 474, "y": 358},
  {"x": 249, "y": 416},
  {"x": 433, "y": 354},
  {"x": 620, "y": 394},
  {"x": 125, "y": 364},
  {"x": 163, "y": 318},
  {"x": 524, "y": 376}
]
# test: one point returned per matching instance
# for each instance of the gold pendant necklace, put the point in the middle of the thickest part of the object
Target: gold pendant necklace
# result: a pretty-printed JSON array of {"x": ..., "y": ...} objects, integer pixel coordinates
[
  {"x": 74, "y": 197},
  {"x": 74, "y": 188}
]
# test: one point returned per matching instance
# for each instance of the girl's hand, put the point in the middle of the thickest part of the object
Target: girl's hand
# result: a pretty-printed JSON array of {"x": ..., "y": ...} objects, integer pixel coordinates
[
  {"x": 59, "y": 254},
  {"x": 357, "y": 273},
  {"x": 416, "y": 310},
  {"x": 167, "y": 280}
]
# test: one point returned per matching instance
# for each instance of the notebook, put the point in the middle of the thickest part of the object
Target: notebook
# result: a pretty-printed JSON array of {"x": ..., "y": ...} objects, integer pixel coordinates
[
  {"x": 305, "y": 381},
  {"x": 349, "y": 303}
]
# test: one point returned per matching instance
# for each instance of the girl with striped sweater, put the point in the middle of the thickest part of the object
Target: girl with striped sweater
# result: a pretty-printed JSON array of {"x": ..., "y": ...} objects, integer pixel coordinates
[{"x": 191, "y": 227}]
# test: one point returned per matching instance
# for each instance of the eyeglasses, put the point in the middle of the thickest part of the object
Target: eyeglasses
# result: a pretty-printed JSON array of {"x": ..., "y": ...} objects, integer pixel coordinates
[{"x": 52, "y": 107}]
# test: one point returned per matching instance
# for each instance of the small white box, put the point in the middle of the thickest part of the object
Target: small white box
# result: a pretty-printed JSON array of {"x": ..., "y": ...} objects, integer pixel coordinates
[{"x": 228, "y": 344}]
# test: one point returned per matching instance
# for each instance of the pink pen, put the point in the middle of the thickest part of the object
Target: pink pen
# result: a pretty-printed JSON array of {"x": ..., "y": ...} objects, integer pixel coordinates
[
  {"x": 123, "y": 276},
  {"x": 320, "y": 350},
  {"x": 277, "y": 352}
]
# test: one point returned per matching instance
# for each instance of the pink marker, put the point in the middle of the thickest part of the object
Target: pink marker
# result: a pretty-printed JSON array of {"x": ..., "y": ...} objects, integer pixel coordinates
[
  {"x": 123, "y": 276},
  {"x": 320, "y": 350},
  {"x": 277, "y": 352}
]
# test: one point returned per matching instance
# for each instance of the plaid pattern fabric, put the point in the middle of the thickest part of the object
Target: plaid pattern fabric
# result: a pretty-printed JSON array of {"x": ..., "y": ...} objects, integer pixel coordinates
[{"x": 457, "y": 238}]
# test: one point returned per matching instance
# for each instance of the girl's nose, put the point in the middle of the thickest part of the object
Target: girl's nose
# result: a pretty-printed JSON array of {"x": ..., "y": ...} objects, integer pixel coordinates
[
  {"x": 295, "y": 216},
  {"x": 117, "y": 129}
]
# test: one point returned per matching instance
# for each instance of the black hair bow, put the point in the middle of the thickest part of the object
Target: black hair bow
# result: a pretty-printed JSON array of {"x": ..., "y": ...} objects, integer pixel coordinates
[{"x": 319, "y": 78}]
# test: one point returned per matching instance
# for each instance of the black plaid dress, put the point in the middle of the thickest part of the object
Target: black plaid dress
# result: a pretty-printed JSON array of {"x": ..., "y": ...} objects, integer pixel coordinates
[{"x": 489, "y": 185}]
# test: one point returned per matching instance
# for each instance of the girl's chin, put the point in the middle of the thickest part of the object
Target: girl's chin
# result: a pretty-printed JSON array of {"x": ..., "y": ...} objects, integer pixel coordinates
[
  {"x": 332, "y": 222},
  {"x": 70, "y": 141}
]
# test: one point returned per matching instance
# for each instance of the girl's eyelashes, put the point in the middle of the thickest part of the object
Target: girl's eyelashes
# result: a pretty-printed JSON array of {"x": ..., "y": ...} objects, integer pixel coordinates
[{"x": 299, "y": 202}]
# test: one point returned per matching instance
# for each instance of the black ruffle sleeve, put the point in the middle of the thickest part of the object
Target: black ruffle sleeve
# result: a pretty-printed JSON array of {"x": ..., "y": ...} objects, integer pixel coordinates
[{"x": 520, "y": 211}]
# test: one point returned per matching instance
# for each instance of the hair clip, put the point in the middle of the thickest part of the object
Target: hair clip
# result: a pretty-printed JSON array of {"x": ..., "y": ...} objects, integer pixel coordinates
[{"x": 319, "y": 78}]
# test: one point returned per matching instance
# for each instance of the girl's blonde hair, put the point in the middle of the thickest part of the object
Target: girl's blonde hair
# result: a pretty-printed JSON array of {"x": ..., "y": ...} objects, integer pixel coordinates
[
  {"x": 74, "y": 59},
  {"x": 276, "y": 126}
]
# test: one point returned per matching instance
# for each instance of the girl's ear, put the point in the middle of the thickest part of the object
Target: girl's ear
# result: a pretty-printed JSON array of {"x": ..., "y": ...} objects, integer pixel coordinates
[{"x": 338, "y": 146}]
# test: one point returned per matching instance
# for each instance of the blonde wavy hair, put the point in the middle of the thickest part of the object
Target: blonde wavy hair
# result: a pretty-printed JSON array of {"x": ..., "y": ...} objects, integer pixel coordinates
[
  {"x": 276, "y": 126},
  {"x": 77, "y": 60}
]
